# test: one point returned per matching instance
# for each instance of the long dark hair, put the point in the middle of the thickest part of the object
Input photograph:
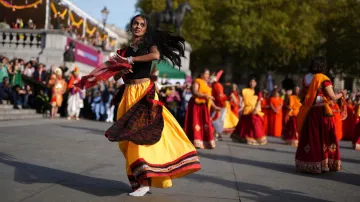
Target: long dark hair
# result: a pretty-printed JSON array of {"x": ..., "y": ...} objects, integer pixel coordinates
[
  {"x": 170, "y": 46},
  {"x": 203, "y": 70},
  {"x": 318, "y": 65},
  {"x": 257, "y": 89}
]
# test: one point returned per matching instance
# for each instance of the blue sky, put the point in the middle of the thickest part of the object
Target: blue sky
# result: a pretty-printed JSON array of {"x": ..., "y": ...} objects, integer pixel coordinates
[{"x": 121, "y": 11}]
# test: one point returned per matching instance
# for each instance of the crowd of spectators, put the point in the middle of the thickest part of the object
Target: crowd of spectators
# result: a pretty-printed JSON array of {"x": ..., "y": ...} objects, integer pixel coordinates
[{"x": 25, "y": 85}]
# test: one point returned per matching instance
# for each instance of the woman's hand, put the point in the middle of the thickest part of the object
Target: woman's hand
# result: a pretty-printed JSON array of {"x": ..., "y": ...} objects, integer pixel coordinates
[
  {"x": 126, "y": 71},
  {"x": 120, "y": 59},
  {"x": 209, "y": 97},
  {"x": 218, "y": 108},
  {"x": 344, "y": 92}
]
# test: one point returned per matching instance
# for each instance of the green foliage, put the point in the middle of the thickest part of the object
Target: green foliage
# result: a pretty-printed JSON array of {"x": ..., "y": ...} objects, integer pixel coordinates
[{"x": 261, "y": 35}]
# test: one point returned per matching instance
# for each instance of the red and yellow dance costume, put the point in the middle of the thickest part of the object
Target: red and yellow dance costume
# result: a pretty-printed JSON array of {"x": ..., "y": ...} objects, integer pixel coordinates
[
  {"x": 250, "y": 128},
  {"x": 198, "y": 126},
  {"x": 318, "y": 148},
  {"x": 228, "y": 119},
  {"x": 356, "y": 139},
  {"x": 172, "y": 156},
  {"x": 153, "y": 143},
  {"x": 235, "y": 103},
  {"x": 290, "y": 133}
]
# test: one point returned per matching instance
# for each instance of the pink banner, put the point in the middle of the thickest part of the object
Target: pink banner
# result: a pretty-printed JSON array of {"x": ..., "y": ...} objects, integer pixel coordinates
[{"x": 86, "y": 54}]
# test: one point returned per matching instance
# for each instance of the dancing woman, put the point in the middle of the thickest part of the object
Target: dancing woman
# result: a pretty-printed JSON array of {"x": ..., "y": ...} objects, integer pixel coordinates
[
  {"x": 318, "y": 148},
  {"x": 198, "y": 125},
  {"x": 154, "y": 145},
  {"x": 250, "y": 128},
  {"x": 356, "y": 132},
  {"x": 234, "y": 99},
  {"x": 289, "y": 131}
]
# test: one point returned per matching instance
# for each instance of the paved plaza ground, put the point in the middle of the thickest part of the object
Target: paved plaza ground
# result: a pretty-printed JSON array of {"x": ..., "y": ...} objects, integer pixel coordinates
[{"x": 60, "y": 160}]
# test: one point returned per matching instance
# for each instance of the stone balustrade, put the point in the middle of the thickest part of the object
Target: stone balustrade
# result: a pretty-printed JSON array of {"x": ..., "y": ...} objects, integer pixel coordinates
[
  {"x": 17, "y": 38},
  {"x": 46, "y": 45},
  {"x": 49, "y": 46}
]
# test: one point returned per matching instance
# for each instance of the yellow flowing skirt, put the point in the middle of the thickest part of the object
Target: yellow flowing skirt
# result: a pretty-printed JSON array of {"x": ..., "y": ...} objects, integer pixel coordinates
[
  {"x": 231, "y": 120},
  {"x": 171, "y": 157}
]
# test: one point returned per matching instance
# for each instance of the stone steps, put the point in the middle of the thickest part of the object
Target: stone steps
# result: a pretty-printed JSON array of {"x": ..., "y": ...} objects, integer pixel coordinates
[{"x": 7, "y": 112}]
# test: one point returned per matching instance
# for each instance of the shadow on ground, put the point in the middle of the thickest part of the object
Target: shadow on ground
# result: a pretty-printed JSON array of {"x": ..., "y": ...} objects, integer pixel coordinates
[
  {"x": 343, "y": 177},
  {"x": 85, "y": 129},
  {"x": 27, "y": 173},
  {"x": 343, "y": 159},
  {"x": 258, "y": 192}
]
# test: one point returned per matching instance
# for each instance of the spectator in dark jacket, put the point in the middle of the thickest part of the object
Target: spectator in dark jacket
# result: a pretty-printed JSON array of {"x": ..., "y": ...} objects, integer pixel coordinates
[
  {"x": 5, "y": 90},
  {"x": 40, "y": 74}
]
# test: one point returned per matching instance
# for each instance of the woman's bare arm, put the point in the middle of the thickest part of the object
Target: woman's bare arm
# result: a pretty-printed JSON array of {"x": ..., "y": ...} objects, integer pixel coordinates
[{"x": 330, "y": 92}]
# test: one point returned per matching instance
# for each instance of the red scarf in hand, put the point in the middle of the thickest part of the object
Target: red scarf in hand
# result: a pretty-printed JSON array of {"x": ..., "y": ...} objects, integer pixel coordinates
[{"x": 104, "y": 72}]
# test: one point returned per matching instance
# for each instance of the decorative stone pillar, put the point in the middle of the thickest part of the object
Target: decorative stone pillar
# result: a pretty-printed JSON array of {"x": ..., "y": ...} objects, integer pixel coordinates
[{"x": 185, "y": 62}]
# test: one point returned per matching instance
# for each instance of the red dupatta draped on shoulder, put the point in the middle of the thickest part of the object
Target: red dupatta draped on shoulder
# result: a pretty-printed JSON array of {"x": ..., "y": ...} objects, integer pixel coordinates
[{"x": 107, "y": 70}]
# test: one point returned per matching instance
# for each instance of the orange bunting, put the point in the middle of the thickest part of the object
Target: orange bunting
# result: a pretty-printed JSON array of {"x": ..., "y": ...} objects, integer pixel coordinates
[
  {"x": 74, "y": 23},
  {"x": 17, "y": 7},
  {"x": 90, "y": 32},
  {"x": 57, "y": 13}
]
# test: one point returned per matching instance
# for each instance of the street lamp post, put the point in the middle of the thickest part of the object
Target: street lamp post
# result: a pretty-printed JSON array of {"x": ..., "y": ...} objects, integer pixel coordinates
[{"x": 105, "y": 13}]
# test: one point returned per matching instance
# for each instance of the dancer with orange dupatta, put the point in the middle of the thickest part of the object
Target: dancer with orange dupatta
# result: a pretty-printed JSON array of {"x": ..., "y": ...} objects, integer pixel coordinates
[
  {"x": 276, "y": 115},
  {"x": 265, "y": 108},
  {"x": 250, "y": 128},
  {"x": 356, "y": 139},
  {"x": 318, "y": 149},
  {"x": 349, "y": 122},
  {"x": 337, "y": 119},
  {"x": 235, "y": 100},
  {"x": 293, "y": 104},
  {"x": 198, "y": 126}
]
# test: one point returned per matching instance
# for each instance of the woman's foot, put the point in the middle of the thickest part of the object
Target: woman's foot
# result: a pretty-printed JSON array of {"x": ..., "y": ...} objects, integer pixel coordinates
[{"x": 141, "y": 191}]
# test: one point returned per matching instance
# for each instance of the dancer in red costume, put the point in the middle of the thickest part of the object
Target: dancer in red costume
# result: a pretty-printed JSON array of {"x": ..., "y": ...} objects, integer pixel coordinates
[
  {"x": 250, "y": 128},
  {"x": 265, "y": 108},
  {"x": 235, "y": 100},
  {"x": 276, "y": 114},
  {"x": 349, "y": 122},
  {"x": 356, "y": 134},
  {"x": 318, "y": 148},
  {"x": 224, "y": 121},
  {"x": 293, "y": 104},
  {"x": 198, "y": 126}
]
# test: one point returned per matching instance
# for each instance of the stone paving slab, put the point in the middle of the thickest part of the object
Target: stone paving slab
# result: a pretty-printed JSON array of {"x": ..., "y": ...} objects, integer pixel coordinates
[{"x": 60, "y": 160}]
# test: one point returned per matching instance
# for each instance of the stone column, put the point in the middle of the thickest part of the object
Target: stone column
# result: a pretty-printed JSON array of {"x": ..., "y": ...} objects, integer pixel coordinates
[
  {"x": 47, "y": 14},
  {"x": 84, "y": 27},
  {"x": 185, "y": 62}
]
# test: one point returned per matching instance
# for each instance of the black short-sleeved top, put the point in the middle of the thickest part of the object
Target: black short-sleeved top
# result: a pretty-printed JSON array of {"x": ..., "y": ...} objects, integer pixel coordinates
[{"x": 140, "y": 69}]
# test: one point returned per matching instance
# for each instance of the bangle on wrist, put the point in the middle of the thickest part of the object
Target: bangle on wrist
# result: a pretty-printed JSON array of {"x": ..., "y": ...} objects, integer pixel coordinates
[{"x": 130, "y": 60}]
